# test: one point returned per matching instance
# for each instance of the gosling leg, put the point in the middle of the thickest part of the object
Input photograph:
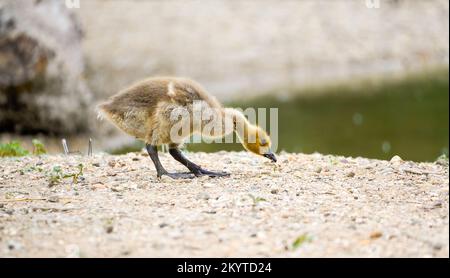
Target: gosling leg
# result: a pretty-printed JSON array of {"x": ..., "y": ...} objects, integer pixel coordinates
[
  {"x": 160, "y": 171},
  {"x": 194, "y": 168}
]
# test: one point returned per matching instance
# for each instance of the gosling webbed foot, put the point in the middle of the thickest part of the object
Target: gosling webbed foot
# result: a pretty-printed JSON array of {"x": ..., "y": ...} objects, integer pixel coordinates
[
  {"x": 195, "y": 169},
  {"x": 184, "y": 175},
  {"x": 202, "y": 172}
]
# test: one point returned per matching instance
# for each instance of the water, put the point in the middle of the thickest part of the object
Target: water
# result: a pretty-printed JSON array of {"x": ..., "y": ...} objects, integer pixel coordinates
[{"x": 408, "y": 117}]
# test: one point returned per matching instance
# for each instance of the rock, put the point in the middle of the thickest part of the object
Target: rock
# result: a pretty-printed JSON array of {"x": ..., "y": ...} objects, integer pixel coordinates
[
  {"x": 41, "y": 70},
  {"x": 203, "y": 196},
  {"x": 437, "y": 246},
  {"x": 350, "y": 174},
  {"x": 14, "y": 245},
  {"x": 117, "y": 188},
  {"x": 53, "y": 199},
  {"x": 396, "y": 159},
  {"x": 208, "y": 185},
  {"x": 437, "y": 205},
  {"x": 376, "y": 234},
  {"x": 98, "y": 186},
  {"x": 318, "y": 169},
  {"x": 109, "y": 229},
  {"x": 9, "y": 211}
]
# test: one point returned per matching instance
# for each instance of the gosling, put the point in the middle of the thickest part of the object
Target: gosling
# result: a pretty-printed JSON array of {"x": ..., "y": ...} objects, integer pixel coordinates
[{"x": 145, "y": 110}]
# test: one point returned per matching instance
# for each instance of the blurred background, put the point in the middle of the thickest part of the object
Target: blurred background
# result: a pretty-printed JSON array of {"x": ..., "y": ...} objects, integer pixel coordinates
[{"x": 349, "y": 77}]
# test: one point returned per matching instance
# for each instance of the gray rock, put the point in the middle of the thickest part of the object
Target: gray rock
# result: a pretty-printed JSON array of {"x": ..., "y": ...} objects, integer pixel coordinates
[{"x": 41, "y": 70}]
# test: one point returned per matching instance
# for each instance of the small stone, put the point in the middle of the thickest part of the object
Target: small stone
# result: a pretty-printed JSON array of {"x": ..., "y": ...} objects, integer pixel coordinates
[
  {"x": 98, "y": 186},
  {"x": 53, "y": 199},
  {"x": 203, "y": 196},
  {"x": 162, "y": 225},
  {"x": 318, "y": 169},
  {"x": 350, "y": 174},
  {"x": 9, "y": 211},
  {"x": 96, "y": 164},
  {"x": 131, "y": 185},
  {"x": 135, "y": 158},
  {"x": 376, "y": 234},
  {"x": 13, "y": 245},
  {"x": 437, "y": 205},
  {"x": 396, "y": 159},
  {"x": 437, "y": 246},
  {"x": 274, "y": 191},
  {"x": 112, "y": 163},
  {"x": 111, "y": 173},
  {"x": 165, "y": 178},
  {"x": 109, "y": 229},
  {"x": 117, "y": 188},
  {"x": 207, "y": 185}
]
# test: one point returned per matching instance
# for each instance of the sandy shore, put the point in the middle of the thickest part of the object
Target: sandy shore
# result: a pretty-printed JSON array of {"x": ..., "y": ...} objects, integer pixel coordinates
[{"x": 305, "y": 206}]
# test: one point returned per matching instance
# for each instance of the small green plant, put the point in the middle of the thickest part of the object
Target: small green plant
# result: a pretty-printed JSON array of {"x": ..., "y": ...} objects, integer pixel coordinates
[
  {"x": 56, "y": 175},
  {"x": 299, "y": 241},
  {"x": 39, "y": 148},
  {"x": 12, "y": 148},
  {"x": 256, "y": 200},
  {"x": 442, "y": 160},
  {"x": 76, "y": 176},
  {"x": 30, "y": 169}
]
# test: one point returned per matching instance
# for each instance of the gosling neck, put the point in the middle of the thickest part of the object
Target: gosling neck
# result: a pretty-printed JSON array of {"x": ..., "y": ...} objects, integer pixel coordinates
[{"x": 241, "y": 125}]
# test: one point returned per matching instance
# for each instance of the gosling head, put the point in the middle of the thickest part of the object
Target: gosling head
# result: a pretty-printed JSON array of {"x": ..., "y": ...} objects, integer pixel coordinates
[{"x": 258, "y": 142}]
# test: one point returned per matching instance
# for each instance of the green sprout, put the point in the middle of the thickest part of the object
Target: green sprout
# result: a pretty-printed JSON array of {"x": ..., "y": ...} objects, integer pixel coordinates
[
  {"x": 12, "y": 148},
  {"x": 256, "y": 200},
  {"x": 56, "y": 175},
  {"x": 299, "y": 241},
  {"x": 39, "y": 148}
]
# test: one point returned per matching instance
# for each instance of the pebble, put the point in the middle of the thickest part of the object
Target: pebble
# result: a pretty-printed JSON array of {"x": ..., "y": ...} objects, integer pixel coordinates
[
  {"x": 396, "y": 159},
  {"x": 376, "y": 234},
  {"x": 98, "y": 186},
  {"x": 109, "y": 229},
  {"x": 9, "y": 211},
  {"x": 117, "y": 188},
  {"x": 53, "y": 199},
  {"x": 437, "y": 205},
  {"x": 14, "y": 245},
  {"x": 350, "y": 174},
  {"x": 203, "y": 196}
]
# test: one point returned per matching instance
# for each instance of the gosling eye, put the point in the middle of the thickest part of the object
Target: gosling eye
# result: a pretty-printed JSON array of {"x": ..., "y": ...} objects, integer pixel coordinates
[{"x": 263, "y": 142}]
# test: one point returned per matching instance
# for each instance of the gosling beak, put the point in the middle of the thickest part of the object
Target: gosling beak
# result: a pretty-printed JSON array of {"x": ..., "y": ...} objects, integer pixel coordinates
[{"x": 270, "y": 156}]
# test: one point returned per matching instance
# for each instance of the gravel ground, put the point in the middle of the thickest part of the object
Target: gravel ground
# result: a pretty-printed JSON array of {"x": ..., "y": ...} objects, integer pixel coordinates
[{"x": 305, "y": 206}]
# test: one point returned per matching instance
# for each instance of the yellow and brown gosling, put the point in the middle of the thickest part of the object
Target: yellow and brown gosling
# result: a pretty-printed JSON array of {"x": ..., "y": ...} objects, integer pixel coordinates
[{"x": 146, "y": 111}]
